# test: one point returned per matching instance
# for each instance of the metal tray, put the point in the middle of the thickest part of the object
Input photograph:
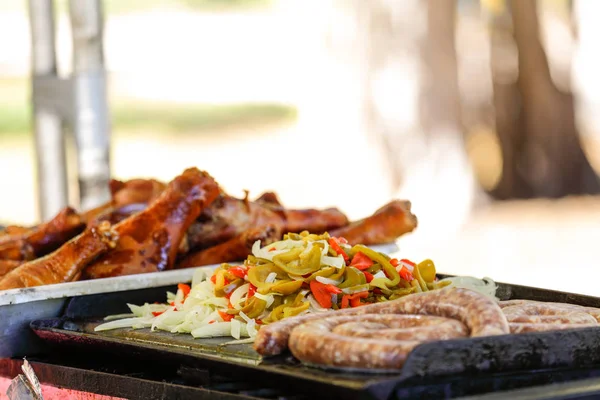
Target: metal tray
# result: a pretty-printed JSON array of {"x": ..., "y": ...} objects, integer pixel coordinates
[
  {"x": 484, "y": 358},
  {"x": 18, "y": 307}
]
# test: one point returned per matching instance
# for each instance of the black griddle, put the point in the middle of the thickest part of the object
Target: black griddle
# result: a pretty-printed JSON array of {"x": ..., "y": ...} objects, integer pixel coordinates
[{"x": 446, "y": 369}]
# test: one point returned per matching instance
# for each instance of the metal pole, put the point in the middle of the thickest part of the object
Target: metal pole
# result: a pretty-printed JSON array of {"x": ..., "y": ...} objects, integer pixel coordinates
[
  {"x": 91, "y": 123},
  {"x": 49, "y": 138}
]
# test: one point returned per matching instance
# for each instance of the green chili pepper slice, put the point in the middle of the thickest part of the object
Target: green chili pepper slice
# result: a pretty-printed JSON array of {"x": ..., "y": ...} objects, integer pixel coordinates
[
  {"x": 427, "y": 270},
  {"x": 255, "y": 307},
  {"x": 286, "y": 287},
  {"x": 352, "y": 277},
  {"x": 379, "y": 258}
]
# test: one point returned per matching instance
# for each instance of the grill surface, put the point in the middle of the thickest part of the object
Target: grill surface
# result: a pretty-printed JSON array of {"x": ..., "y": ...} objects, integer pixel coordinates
[{"x": 447, "y": 369}]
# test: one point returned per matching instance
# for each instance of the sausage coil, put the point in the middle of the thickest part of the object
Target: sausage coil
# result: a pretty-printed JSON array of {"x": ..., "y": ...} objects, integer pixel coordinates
[
  {"x": 532, "y": 316},
  {"x": 481, "y": 315},
  {"x": 377, "y": 341}
]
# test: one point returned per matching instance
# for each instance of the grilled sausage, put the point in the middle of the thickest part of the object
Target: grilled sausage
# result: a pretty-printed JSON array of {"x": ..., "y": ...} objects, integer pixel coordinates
[
  {"x": 532, "y": 316},
  {"x": 481, "y": 315},
  {"x": 377, "y": 341}
]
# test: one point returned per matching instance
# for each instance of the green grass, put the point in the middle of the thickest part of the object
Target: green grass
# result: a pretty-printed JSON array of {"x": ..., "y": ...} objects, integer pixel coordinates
[
  {"x": 188, "y": 119},
  {"x": 198, "y": 118}
]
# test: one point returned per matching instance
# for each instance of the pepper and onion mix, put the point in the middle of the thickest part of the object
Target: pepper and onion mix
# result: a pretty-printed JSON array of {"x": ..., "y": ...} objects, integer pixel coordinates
[{"x": 300, "y": 274}]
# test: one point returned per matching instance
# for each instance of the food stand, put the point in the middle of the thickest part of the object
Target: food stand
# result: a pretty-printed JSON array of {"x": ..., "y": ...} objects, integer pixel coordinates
[{"x": 54, "y": 324}]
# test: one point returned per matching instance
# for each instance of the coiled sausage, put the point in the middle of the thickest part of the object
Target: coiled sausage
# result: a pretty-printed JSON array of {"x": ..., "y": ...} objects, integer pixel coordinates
[
  {"x": 531, "y": 316},
  {"x": 377, "y": 341},
  {"x": 481, "y": 315}
]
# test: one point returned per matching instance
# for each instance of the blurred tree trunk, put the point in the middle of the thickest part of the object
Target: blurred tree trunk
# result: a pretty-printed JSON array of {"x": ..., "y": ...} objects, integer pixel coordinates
[
  {"x": 440, "y": 96},
  {"x": 535, "y": 121},
  {"x": 395, "y": 40}
]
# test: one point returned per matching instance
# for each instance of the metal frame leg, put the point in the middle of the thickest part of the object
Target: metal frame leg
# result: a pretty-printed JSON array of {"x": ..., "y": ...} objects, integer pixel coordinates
[
  {"x": 49, "y": 136},
  {"x": 79, "y": 100},
  {"x": 90, "y": 119}
]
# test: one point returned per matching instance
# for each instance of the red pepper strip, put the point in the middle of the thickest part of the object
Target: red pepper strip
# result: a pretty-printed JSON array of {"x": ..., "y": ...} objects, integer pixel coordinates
[
  {"x": 172, "y": 304},
  {"x": 322, "y": 293},
  {"x": 361, "y": 261},
  {"x": 368, "y": 276},
  {"x": 238, "y": 272},
  {"x": 355, "y": 298},
  {"x": 251, "y": 291},
  {"x": 338, "y": 249},
  {"x": 377, "y": 291},
  {"x": 157, "y": 313},
  {"x": 211, "y": 322},
  {"x": 345, "y": 301},
  {"x": 213, "y": 279},
  {"x": 272, "y": 249},
  {"x": 333, "y": 289},
  {"x": 412, "y": 264},
  {"x": 226, "y": 317},
  {"x": 185, "y": 289},
  {"x": 406, "y": 274},
  {"x": 259, "y": 321}
]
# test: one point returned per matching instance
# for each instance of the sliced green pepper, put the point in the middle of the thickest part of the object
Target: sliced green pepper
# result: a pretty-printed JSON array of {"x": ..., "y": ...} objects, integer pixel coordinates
[
  {"x": 255, "y": 307},
  {"x": 258, "y": 274},
  {"x": 362, "y": 287},
  {"x": 401, "y": 293},
  {"x": 291, "y": 311},
  {"x": 373, "y": 269},
  {"x": 419, "y": 278},
  {"x": 276, "y": 314},
  {"x": 427, "y": 270},
  {"x": 352, "y": 277},
  {"x": 286, "y": 287},
  {"x": 228, "y": 288},
  {"x": 379, "y": 258},
  {"x": 415, "y": 284},
  {"x": 325, "y": 273},
  {"x": 291, "y": 262},
  {"x": 339, "y": 274}
]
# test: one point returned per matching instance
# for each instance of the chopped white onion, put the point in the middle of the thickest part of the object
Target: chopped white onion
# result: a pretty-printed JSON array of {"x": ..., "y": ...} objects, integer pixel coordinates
[
  {"x": 379, "y": 274},
  {"x": 238, "y": 294},
  {"x": 199, "y": 276},
  {"x": 327, "y": 281},
  {"x": 236, "y": 328},
  {"x": 356, "y": 289},
  {"x": 118, "y": 316},
  {"x": 271, "y": 277},
  {"x": 212, "y": 330},
  {"x": 125, "y": 323},
  {"x": 314, "y": 304},
  {"x": 269, "y": 298},
  {"x": 485, "y": 286},
  {"x": 337, "y": 262},
  {"x": 251, "y": 328},
  {"x": 241, "y": 341}
]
